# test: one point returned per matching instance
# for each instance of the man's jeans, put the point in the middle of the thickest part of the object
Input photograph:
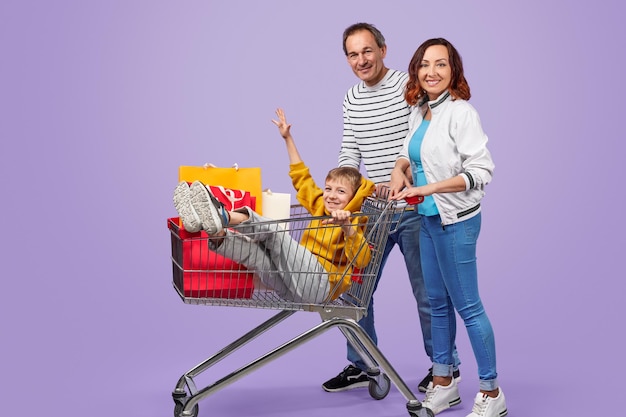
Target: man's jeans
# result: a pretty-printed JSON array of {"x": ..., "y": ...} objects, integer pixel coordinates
[{"x": 407, "y": 238}]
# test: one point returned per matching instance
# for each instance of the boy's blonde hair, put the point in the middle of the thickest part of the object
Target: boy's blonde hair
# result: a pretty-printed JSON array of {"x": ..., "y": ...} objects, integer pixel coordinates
[{"x": 350, "y": 175}]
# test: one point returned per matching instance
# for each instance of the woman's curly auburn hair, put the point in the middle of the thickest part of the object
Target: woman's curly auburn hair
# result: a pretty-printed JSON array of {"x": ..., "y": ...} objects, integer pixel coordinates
[{"x": 459, "y": 89}]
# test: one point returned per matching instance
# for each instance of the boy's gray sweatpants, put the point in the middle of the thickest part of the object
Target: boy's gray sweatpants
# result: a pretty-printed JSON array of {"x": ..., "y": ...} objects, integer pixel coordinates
[{"x": 279, "y": 261}]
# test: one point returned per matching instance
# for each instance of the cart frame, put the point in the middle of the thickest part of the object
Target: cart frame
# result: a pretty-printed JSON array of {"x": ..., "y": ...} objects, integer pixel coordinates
[{"x": 342, "y": 312}]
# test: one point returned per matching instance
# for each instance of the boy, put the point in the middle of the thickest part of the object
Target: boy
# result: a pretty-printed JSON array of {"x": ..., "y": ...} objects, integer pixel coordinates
[{"x": 316, "y": 270}]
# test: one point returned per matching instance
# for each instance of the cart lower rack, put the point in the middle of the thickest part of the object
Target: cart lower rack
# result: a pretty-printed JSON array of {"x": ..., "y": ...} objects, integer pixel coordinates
[{"x": 264, "y": 264}]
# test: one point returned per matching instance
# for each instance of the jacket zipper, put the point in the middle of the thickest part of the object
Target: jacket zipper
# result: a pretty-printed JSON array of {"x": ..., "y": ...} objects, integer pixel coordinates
[{"x": 462, "y": 214}]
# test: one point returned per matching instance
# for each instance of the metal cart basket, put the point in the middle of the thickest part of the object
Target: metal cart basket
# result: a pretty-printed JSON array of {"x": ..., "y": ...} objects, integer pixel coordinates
[{"x": 204, "y": 276}]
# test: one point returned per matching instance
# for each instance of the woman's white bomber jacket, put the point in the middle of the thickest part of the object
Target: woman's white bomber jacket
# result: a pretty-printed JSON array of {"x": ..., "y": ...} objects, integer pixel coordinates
[{"x": 454, "y": 144}]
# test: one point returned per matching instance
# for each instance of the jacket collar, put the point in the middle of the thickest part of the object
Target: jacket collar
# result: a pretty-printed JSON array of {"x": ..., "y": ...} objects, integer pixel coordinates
[{"x": 445, "y": 96}]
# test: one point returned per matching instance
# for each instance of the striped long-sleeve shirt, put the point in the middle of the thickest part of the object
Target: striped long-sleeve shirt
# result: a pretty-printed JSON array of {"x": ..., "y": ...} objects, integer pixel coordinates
[{"x": 375, "y": 124}]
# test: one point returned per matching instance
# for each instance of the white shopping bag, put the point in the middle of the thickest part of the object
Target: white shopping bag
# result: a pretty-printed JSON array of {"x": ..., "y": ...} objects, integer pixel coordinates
[{"x": 276, "y": 206}]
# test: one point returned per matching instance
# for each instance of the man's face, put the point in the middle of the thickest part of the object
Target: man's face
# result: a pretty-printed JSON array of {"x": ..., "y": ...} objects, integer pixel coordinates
[{"x": 365, "y": 57}]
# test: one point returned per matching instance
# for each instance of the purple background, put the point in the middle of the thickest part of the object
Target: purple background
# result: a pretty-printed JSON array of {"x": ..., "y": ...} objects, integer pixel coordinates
[{"x": 103, "y": 100}]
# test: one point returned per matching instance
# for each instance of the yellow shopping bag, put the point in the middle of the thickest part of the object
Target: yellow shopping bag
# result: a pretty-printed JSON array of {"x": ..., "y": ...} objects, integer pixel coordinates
[{"x": 235, "y": 177}]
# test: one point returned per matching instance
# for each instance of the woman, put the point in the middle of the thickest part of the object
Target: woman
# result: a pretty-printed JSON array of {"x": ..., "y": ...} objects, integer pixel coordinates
[{"x": 450, "y": 164}]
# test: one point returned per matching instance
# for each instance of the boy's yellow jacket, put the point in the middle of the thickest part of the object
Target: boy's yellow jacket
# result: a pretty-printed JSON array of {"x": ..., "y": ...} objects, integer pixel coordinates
[{"x": 333, "y": 250}]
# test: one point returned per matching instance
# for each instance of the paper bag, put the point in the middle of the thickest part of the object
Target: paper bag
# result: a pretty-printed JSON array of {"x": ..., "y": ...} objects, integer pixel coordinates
[
  {"x": 236, "y": 178},
  {"x": 276, "y": 206},
  {"x": 207, "y": 274},
  {"x": 198, "y": 272},
  {"x": 233, "y": 199}
]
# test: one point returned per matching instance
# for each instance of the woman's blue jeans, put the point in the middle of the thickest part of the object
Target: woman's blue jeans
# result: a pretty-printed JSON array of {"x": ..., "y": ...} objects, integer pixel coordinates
[{"x": 450, "y": 273}]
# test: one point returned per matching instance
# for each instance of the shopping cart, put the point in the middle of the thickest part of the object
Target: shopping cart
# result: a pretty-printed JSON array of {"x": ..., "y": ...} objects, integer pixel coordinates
[{"x": 201, "y": 277}]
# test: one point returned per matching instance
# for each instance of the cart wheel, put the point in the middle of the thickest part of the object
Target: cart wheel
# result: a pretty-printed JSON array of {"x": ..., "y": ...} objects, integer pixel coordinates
[
  {"x": 422, "y": 412},
  {"x": 378, "y": 392},
  {"x": 178, "y": 409}
]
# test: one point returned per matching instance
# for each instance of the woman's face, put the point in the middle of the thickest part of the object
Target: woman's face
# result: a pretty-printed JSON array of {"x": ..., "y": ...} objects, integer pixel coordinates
[{"x": 435, "y": 74}]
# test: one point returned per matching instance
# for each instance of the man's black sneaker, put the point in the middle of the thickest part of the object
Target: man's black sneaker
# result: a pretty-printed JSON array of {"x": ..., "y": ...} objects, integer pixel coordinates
[
  {"x": 351, "y": 377},
  {"x": 429, "y": 378}
]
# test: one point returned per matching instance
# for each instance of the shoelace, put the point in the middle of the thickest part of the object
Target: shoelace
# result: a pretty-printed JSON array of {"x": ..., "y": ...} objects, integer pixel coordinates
[
  {"x": 344, "y": 373},
  {"x": 430, "y": 393},
  {"x": 479, "y": 408},
  {"x": 220, "y": 208}
]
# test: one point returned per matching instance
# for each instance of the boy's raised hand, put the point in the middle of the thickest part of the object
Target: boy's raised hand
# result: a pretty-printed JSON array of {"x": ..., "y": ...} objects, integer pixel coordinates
[
  {"x": 283, "y": 129},
  {"x": 283, "y": 126}
]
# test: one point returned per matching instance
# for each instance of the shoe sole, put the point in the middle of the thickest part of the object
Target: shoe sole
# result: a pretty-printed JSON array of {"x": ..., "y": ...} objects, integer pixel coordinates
[
  {"x": 202, "y": 201},
  {"x": 422, "y": 389},
  {"x": 451, "y": 404},
  {"x": 186, "y": 212},
  {"x": 347, "y": 387}
]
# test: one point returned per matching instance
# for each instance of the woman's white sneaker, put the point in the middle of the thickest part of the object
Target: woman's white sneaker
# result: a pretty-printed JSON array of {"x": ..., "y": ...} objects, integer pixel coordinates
[
  {"x": 486, "y": 406},
  {"x": 441, "y": 398}
]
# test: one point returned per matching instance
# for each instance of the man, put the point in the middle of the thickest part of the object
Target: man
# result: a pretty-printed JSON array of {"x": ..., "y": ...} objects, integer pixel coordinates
[{"x": 375, "y": 124}]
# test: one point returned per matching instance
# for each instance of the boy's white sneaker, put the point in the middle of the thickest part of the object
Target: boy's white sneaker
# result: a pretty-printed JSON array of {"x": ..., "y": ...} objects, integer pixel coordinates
[
  {"x": 485, "y": 406},
  {"x": 186, "y": 212},
  {"x": 441, "y": 398},
  {"x": 210, "y": 210}
]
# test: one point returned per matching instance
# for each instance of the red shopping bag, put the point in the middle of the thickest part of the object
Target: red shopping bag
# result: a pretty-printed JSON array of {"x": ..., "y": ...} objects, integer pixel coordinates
[
  {"x": 201, "y": 273},
  {"x": 356, "y": 276},
  {"x": 233, "y": 199}
]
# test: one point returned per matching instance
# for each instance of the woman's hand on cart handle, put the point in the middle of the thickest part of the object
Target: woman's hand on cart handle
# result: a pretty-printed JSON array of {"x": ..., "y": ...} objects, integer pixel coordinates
[
  {"x": 450, "y": 185},
  {"x": 412, "y": 195}
]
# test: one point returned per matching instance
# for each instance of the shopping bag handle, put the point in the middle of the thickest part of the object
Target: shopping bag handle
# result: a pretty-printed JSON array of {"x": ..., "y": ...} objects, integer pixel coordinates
[{"x": 210, "y": 165}]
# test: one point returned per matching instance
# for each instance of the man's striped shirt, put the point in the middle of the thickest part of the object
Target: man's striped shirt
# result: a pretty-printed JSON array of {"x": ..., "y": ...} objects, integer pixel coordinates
[{"x": 375, "y": 124}]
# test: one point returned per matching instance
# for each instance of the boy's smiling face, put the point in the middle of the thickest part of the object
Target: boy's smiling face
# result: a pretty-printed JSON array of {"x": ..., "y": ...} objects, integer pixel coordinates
[{"x": 337, "y": 194}]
